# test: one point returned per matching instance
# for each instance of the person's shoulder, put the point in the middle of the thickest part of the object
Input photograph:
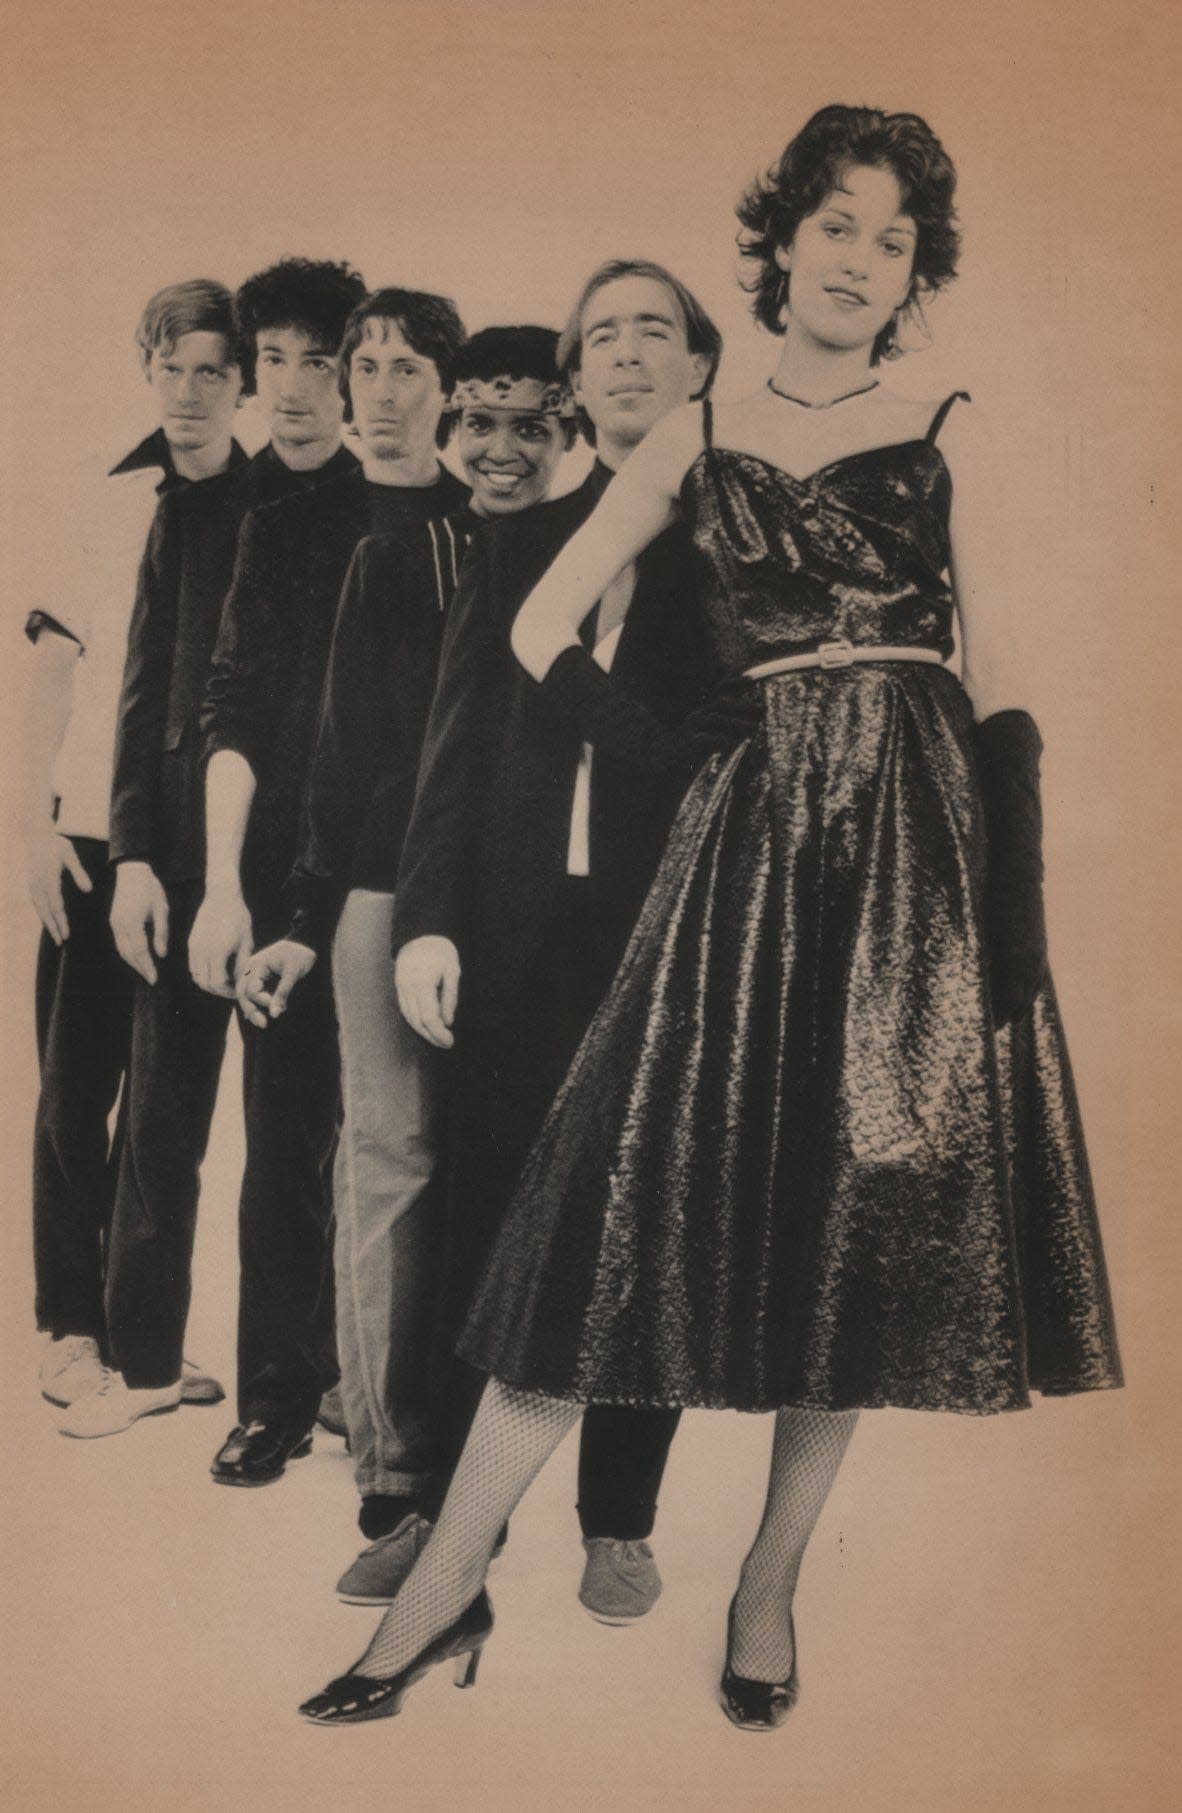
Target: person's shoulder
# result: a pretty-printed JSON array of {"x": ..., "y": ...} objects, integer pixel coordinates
[
  {"x": 553, "y": 520},
  {"x": 917, "y": 415},
  {"x": 670, "y": 448}
]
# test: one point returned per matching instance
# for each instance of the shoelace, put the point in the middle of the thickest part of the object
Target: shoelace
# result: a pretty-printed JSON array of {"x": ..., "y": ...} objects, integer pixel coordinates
[{"x": 632, "y": 1553}]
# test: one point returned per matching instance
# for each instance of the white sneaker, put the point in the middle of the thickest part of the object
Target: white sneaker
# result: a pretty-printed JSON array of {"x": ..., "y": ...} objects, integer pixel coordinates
[
  {"x": 113, "y": 1407},
  {"x": 199, "y": 1386},
  {"x": 70, "y": 1368}
]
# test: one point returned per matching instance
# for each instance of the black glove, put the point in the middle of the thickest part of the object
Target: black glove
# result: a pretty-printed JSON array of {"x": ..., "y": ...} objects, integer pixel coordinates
[
  {"x": 1008, "y": 747},
  {"x": 612, "y": 719}
]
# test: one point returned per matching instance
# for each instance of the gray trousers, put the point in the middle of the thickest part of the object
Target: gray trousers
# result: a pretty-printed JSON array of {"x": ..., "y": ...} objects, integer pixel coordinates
[{"x": 386, "y": 1253}]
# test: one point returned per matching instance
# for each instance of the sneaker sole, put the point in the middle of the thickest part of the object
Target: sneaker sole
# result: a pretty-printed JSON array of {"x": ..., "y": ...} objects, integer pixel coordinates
[
  {"x": 87, "y": 1435},
  {"x": 616, "y": 1619},
  {"x": 370, "y": 1599},
  {"x": 202, "y": 1399}
]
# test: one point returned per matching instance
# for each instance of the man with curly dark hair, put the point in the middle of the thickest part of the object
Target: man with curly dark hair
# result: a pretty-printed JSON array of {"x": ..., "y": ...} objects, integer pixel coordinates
[
  {"x": 288, "y": 324},
  {"x": 510, "y": 422},
  {"x": 259, "y": 718}
]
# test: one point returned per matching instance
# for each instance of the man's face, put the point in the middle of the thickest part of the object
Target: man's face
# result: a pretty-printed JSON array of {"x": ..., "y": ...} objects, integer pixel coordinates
[
  {"x": 635, "y": 364},
  {"x": 296, "y": 378},
  {"x": 509, "y": 457},
  {"x": 396, "y": 394},
  {"x": 198, "y": 387}
]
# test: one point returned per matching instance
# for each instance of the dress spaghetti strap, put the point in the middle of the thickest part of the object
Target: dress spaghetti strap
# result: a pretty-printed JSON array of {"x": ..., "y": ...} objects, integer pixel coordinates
[
  {"x": 707, "y": 424},
  {"x": 938, "y": 419}
]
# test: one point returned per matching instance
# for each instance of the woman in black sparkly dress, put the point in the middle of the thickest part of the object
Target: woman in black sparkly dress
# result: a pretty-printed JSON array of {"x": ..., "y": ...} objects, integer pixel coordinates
[{"x": 819, "y": 1150}]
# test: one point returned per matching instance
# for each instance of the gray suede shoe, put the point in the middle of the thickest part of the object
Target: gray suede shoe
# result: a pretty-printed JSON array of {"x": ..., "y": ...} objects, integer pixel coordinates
[
  {"x": 620, "y": 1580},
  {"x": 380, "y": 1569}
]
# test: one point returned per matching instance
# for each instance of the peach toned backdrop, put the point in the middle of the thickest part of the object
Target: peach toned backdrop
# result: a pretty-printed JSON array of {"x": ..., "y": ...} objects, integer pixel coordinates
[{"x": 495, "y": 150}]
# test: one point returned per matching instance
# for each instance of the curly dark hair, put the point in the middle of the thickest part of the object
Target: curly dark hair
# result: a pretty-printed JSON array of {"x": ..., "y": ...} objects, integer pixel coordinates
[
  {"x": 834, "y": 141},
  {"x": 311, "y": 294},
  {"x": 429, "y": 324},
  {"x": 512, "y": 352}
]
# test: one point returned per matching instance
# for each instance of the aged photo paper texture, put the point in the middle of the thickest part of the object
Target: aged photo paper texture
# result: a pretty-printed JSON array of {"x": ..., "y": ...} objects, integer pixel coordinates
[{"x": 987, "y": 1617}]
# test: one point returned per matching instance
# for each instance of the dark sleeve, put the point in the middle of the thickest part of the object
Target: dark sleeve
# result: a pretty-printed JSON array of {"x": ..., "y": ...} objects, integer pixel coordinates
[
  {"x": 252, "y": 655},
  {"x": 431, "y": 888},
  {"x": 143, "y": 701},
  {"x": 356, "y": 734}
]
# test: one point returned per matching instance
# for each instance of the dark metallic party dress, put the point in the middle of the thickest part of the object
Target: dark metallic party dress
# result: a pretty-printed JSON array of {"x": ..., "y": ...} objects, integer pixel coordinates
[{"x": 792, "y": 1162}]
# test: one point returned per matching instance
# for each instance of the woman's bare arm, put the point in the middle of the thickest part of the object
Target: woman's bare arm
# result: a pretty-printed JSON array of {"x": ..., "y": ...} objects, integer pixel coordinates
[{"x": 637, "y": 505}]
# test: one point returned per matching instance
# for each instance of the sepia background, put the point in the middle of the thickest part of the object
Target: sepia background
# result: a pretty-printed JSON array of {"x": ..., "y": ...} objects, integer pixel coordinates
[{"x": 988, "y": 1615}]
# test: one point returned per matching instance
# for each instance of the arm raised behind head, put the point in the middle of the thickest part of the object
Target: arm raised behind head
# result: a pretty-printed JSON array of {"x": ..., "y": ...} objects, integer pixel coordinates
[{"x": 637, "y": 505}]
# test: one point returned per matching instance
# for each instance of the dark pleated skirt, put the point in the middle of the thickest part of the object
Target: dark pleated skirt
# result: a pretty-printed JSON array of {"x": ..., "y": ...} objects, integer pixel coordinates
[{"x": 792, "y": 1162}]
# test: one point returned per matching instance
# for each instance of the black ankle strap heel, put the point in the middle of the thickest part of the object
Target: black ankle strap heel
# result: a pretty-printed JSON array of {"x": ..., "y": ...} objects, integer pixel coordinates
[{"x": 756, "y": 1705}]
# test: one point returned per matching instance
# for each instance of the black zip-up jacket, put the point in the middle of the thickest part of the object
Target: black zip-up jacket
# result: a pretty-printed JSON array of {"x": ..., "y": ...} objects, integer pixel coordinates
[
  {"x": 264, "y": 688},
  {"x": 157, "y": 800},
  {"x": 373, "y": 713}
]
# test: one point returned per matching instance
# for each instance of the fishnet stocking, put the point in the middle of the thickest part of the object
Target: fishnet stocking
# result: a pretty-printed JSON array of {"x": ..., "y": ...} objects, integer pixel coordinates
[
  {"x": 512, "y": 1436},
  {"x": 806, "y": 1453}
]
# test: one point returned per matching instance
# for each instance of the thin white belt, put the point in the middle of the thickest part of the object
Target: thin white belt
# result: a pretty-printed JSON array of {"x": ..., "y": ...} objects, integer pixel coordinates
[{"x": 841, "y": 654}]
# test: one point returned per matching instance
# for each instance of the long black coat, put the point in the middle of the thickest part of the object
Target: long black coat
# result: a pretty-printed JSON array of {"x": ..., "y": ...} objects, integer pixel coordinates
[
  {"x": 486, "y": 848},
  {"x": 485, "y": 856}
]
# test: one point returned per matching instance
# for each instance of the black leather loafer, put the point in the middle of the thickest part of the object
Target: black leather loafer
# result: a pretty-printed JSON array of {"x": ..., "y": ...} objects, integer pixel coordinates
[{"x": 256, "y": 1454}]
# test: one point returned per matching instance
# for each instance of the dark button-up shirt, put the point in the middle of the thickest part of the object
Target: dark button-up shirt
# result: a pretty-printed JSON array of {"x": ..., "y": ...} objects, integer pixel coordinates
[{"x": 157, "y": 806}]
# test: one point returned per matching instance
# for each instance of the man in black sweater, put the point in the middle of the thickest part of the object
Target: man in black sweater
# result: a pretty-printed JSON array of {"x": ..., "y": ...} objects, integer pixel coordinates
[
  {"x": 511, "y": 419},
  {"x": 289, "y": 320},
  {"x": 528, "y": 856},
  {"x": 259, "y": 720}
]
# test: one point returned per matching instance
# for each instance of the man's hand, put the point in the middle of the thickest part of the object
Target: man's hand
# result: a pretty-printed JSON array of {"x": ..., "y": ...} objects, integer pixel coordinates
[
  {"x": 139, "y": 912},
  {"x": 427, "y": 978},
  {"x": 220, "y": 942},
  {"x": 47, "y": 856},
  {"x": 268, "y": 979}
]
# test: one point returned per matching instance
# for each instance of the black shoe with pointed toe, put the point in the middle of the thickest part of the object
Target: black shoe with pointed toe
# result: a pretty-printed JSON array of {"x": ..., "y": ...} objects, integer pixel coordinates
[
  {"x": 756, "y": 1705},
  {"x": 354, "y": 1697}
]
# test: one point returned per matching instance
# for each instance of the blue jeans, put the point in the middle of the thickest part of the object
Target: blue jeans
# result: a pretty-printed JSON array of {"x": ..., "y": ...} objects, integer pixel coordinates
[{"x": 386, "y": 1211}]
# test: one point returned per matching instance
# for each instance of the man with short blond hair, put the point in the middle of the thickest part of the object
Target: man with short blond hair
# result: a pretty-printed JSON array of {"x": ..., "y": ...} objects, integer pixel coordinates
[
  {"x": 287, "y": 327},
  {"x": 78, "y": 627}
]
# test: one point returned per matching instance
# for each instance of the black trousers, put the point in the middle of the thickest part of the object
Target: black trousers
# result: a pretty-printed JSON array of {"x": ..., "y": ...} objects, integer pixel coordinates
[
  {"x": 83, "y": 1015},
  {"x": 506, "y": 1078},
  {"x": 286, "y": 1348}
]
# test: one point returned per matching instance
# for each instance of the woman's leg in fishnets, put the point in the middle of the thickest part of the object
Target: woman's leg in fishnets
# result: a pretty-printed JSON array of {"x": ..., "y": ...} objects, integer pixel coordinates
[
  {"x": 513, "y": 1434},
  {"x": 806, "y": 1453}
]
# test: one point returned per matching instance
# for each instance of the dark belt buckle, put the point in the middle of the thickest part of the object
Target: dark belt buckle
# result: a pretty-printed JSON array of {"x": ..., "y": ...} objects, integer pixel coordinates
[{"x": 835, "y": 654}]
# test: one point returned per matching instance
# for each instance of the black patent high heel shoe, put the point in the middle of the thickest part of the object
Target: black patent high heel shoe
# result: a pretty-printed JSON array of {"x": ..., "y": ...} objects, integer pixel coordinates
[
  {"x": 354, "y": 1697},
  {"x": 756, "y": 1705}
]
